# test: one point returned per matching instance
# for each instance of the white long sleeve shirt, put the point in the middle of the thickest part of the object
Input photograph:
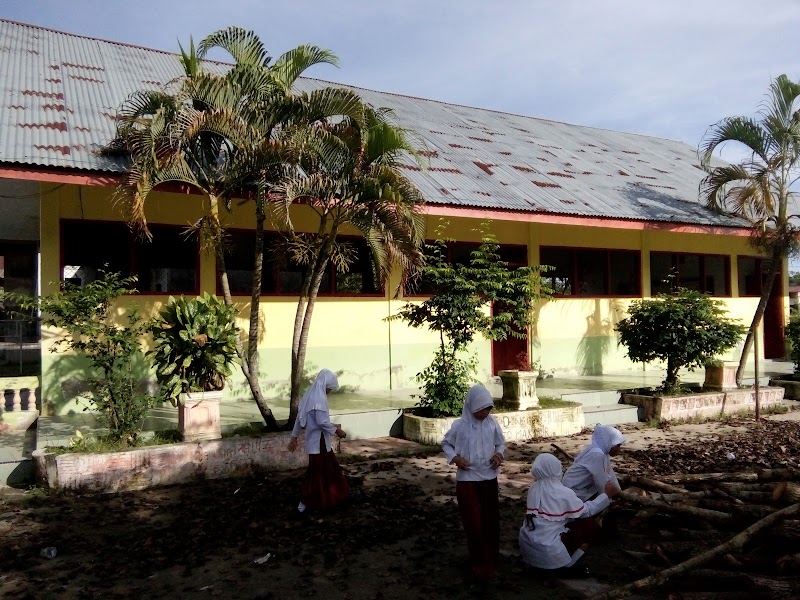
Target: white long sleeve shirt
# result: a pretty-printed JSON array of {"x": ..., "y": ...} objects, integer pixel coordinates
[
  {"x": 588, "y": 478},
  {"x": 542, "y": 546},
  {"x": 479, "y": 470},
  {"x": 317, "y": 422}
]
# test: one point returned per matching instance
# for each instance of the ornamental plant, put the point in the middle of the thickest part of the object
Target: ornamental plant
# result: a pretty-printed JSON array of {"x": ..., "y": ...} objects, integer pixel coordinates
[
  {"x": 194, "y": 345},
  {"x": 458, "y": 310},
  {"x": 685, "y": 330},
  {"x": 111, "y": 348}
]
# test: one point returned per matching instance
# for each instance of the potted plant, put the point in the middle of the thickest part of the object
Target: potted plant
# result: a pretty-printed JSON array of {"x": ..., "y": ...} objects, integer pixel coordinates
[
  {"x": 194, "y": 350},
  {"x": 720, "y": 375}
]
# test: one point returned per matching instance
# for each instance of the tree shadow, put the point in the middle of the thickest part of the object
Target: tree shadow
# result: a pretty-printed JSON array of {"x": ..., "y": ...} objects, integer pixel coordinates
[{"x": 596, "y": 341}]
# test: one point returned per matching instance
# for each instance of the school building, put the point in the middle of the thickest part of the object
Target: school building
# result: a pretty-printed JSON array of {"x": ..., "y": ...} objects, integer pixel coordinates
[{"x": 617, "y": 215}]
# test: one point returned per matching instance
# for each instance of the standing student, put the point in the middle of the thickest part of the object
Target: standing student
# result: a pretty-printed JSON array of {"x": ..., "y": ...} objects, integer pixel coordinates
[
  {"x": 325, "y": 484},
  {"x": 592, "y": 467},
  {"x": 558, "y": 526},
  {"x": 475, "y": 444}
]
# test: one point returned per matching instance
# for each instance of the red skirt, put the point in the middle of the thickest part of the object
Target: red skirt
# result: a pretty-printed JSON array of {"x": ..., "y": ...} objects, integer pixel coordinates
[
  {"x": 325, "y": 484},
  {"x": 479, "y": 505}
]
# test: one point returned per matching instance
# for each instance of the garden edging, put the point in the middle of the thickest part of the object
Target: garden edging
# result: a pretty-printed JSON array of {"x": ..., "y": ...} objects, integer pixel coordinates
[{"x": 709, "y": 404}]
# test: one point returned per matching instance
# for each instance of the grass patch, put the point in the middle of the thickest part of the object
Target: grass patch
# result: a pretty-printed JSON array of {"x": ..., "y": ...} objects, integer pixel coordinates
[
  {"x": 247, "y": 430},
  {"x": 102, "y": 444},
  {"x": 553, "y": 402}
]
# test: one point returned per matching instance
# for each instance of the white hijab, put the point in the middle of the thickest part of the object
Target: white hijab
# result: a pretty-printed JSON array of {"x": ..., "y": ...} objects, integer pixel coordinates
[
  {"x": 475, "y": 437},
  {"x": 316, "y": 397},
  {"x": 548, "y": 498},
  {"x": 604, "y": 437}
]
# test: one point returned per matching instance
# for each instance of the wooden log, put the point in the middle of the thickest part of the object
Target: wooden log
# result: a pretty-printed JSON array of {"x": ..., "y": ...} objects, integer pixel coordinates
[
  {"x": 738, "y": 476},
  {"x": 753, "y": 497},
  {"x": 735, "y": 543},
  {"x": 560, "y": 450},
  {"x": 701, "y": 513},
  {"x": 786, "y": 491},
  {"x": 736, "y": 486},
  {"x": 779, "y": 587},
  {"x": 656, "y": 485},
  {"x": 787, "y": 533}
]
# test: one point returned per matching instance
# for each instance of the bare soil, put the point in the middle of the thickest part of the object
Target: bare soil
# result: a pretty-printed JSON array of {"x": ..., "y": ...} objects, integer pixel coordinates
[{"x": 401, "y": 539}]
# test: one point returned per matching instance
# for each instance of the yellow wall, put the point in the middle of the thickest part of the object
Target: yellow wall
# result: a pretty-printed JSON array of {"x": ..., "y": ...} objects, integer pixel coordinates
[{"x": 572, "y": 335}]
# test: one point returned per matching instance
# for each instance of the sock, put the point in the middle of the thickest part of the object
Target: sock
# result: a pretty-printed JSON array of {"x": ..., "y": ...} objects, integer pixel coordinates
[{"x": 301, "y": 507}]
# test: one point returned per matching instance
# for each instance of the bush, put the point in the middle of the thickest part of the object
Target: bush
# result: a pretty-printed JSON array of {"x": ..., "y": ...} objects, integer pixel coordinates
[
  {"x": 194, "y": 345},
  {"x": 445, "y": 382},
  {"x": 685, "y": 330},
  {"x": 793, "y": 335}
]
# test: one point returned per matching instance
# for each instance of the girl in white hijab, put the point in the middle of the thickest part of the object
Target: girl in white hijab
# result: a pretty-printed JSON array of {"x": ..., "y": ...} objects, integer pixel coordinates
[
  {"x": 592, "y": 467},
  {"x": 475, "y": 444},
  {"x": 557, "y": 528},
  {"x": 325, "y": 484}
]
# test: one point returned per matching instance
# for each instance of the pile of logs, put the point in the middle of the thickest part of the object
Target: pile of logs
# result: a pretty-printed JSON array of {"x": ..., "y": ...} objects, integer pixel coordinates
[{"x": 690, "y": 523}]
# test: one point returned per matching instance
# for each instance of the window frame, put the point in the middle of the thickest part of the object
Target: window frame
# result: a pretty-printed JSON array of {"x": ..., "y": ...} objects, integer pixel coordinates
[
  {"x": 132, "y": 258},
  {"x": 702, "y": 255},
  {"x": 607, "y": 280},
  {"x": 760, "y": 265},
  {"x": 331, "y": 293}
]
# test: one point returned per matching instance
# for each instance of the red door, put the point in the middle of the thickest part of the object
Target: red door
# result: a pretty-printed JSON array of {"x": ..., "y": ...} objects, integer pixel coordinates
[
  {"x": 774, "y": 322},
  {"x": 511, "y": 353}
]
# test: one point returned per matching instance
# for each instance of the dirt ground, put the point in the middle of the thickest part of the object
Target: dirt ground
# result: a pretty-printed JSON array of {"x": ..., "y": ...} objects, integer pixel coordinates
[{"x": 401, "y": 539}]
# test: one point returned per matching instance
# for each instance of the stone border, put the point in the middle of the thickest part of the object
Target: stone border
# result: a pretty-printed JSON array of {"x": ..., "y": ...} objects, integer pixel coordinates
[
  {"x": 166, "y": 464},
  {"x": 792, "y": 388},
  {"x": 516, "y": 426},
  {"x": 712, "y": 404}
]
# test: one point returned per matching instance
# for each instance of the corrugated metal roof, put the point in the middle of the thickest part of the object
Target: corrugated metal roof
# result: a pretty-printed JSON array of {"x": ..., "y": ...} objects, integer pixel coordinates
[{"x": 60, "y": 93}]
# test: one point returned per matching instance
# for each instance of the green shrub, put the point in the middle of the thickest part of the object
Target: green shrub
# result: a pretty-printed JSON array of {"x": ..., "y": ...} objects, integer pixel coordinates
[
  {"x": 793, "y": 335},
  {"x": 685, "y": 330},
  {"x": 445, "y": 383},
  {"x": 194, "y": 345}
]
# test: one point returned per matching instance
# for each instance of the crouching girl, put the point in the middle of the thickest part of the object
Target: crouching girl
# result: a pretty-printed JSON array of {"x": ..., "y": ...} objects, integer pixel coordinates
[{"x": 558, "y": 525}]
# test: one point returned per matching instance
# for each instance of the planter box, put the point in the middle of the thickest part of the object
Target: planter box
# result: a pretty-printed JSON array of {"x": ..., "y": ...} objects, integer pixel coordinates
[
  {"x": 167, "y": 464},
  {"x": 721, "y": 378},
  {"x": 711, "y": 404},
  {"x": 519, "y": 389},
  {"x": 198, "y": 416},
  {"x": 516, "y": 426},
  {"x": 791, "y": 388}
]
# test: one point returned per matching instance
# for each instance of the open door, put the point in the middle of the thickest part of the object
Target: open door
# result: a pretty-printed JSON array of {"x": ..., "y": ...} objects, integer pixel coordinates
[{"x": 511, "y": 353}]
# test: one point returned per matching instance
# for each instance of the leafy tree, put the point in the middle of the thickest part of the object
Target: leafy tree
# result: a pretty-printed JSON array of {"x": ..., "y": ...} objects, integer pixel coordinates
[
  {"x": 225, "y": 136},
  {"x": 685, "y": 330},
  {"x": 458, "y": 310},
  {"x": 113, "y": 350},
  {"x": 349, "y": 177},
  {"x": 758, "y": 189}
]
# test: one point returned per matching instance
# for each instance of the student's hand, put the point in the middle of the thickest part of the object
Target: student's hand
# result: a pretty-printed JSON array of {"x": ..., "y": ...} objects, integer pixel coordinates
[
  {"x": 496, "y": 460},
  {"x": 611, "y": 489},
  {"x": 461, "y": 462},
  {"x": 292, "y": 445},
  {"x": 340, "y": 433}
]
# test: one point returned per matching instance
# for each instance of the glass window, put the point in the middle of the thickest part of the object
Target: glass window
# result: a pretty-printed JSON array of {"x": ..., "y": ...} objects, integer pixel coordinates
[
  {"x": 89, "y": 246},
  {"x": 592, "y": 272},
  {"x": 707, "y": 273},
  {"x": 168, "y": 263},
  {"x": 750, "y": 276}
]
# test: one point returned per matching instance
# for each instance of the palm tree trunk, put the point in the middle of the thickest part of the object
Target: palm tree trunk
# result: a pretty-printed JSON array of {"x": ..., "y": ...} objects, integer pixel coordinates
[
  {"x": 255, "y": 388},
  {"x": 303, "y": 316},
  {"x": 774, "y": 266}
]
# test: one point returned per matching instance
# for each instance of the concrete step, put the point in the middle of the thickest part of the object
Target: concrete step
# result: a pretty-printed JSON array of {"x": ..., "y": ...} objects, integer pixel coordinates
[
  {"x": 610, "y": 414},
  {"x": 593, "y": 398}
]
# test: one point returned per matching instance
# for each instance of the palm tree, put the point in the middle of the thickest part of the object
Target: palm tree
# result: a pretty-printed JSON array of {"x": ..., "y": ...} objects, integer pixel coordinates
[
  {"x": 759, "y": 188},
  {"x": 348, "y": 175},
  {"x": 217, "y": 134}
]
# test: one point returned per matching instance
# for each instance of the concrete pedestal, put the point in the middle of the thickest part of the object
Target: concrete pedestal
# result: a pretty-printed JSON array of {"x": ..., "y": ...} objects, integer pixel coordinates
[
  {"x": 198, "y": 416},
  {"x": 519, "y": 389}
]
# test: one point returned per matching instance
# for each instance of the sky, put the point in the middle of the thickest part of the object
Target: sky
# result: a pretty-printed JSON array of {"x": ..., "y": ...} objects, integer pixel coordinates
[{"x": 667, "y": 68}]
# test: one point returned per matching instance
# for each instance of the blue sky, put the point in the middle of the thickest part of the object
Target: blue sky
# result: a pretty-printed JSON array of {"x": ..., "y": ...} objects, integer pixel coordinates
[{"x": 663, "y": 68}]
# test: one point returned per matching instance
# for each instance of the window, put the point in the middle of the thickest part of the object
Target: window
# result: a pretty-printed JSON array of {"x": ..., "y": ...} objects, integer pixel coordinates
[
  {"x": 167, "y": 264},
  {"x": 592, "y": 272},
  {"x": 461, "y": 253},
  {"x": 282, "y": 276},
  {"x": 707, "y": 273},
  {"x": 752, "y": 272}
]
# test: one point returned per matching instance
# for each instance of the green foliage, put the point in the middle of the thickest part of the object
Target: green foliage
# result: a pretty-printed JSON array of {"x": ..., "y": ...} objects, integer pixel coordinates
[
  {"x": 194, "y": 345},
  {"x": 793, "y": 335},
  {"x": 113, "y": 350},
  {"x": 459, "y": 310},
  {"x": 445, "y": 382},
  {"x": 685, "y": 330}
]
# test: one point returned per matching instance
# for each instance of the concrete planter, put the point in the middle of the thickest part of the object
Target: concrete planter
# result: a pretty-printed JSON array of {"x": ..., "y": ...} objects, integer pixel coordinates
[
  {"x": 519, "y": 389},
  {"x": 791, "y": 388},
  {"x": 166, "y": 464},
  {"x": 516, "y": 426},
  {"x": 721, "y": 377},
  {"x": 198, "y": 416},
  {"x": 712, "y": 404}
]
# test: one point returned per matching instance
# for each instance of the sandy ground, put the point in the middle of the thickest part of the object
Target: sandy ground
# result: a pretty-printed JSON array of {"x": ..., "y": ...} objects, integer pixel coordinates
[{"x": 402, "y": 538}]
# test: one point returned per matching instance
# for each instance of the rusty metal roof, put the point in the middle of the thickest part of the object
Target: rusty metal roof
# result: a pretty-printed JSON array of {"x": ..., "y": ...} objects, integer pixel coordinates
[{"x": 60, "y": 93}]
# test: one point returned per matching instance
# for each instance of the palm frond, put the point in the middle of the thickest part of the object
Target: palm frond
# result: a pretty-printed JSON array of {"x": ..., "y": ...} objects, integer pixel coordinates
[
  {"x": 242, "y": 44},
  {"x": 291, "y": 65},
  {"x": 742, "y": 130}
]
